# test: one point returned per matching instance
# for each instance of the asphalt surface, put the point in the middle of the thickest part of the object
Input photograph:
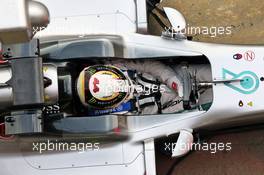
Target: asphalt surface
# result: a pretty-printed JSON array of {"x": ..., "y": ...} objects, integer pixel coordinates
[
  {"x": 245, "y": 17},
  {"x": 245, "y": 158}
]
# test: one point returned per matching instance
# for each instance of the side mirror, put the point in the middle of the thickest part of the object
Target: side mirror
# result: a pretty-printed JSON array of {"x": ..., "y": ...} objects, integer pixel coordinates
[
  {"x": 184, "y": 144},
  {"x": 38, "y": 14},
  {"x": 175, "y": 18},
  {"x": 23, "y": 15}
]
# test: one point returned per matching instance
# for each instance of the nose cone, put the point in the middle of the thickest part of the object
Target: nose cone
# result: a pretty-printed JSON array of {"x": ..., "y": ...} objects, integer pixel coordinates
[{"x": 38, "y": 14}]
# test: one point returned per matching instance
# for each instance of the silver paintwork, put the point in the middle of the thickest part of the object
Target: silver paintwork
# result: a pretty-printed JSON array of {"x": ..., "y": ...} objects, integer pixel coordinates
[
  {"x": 18, "y": 17},
  {"x": 14, "y": 23},
  {"x": 6, "y": 97},
  {"x": 51, "y": 92},
  {"x": 100, "y": 124},
  {"x": 20, "y": 50},
  {"x": 38, "y": 14},
  {"x": 141, "y": 16},
  {"x": 5, "y": 74},
  {"x": 21, "y": 122}
]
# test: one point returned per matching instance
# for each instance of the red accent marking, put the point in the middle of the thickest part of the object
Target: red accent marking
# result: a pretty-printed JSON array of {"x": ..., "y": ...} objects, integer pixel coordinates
[
  {"x": 1, "y": 58},
  {"x": 2, "y": 133},
  {"x": 95, "y": 83},
  {"x": 174, "y": 86},
  {"x": 249, "y": 56},
  {"x": 117, "y": 130},
  {"x": 2, "y": 61},
  {"x": 1, "y": 54}
]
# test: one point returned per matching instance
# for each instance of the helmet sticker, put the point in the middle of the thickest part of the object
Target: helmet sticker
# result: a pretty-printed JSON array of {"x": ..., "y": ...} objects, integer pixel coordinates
[{"x": 105, "y": 87}]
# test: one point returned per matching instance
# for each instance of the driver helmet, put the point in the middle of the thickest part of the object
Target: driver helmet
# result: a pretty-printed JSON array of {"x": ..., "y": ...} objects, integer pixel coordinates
[{"x": 103, "y": 87}]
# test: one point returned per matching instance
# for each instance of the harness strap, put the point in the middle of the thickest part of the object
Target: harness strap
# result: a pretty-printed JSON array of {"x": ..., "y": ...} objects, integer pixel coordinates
[{"x": 153, "y": 98}]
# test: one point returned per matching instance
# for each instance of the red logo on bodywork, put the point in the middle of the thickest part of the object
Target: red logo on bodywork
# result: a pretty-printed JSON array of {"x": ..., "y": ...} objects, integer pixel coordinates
[
  {"x": 95, "y": 83},
  {"x": 174, "y": 86},
  {"x": 249, "y": 55}
]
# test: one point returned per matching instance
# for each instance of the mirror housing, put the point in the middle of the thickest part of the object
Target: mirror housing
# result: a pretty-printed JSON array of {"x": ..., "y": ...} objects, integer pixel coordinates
[
  {"x": 18, "y": 19},
  {"x": 38, "y": 14},
  {"x": 176, "y": 19},
  {"x": 184, "y": 144}
]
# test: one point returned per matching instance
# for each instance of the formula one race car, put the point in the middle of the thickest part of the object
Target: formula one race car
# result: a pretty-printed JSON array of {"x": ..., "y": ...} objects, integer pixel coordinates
[{"x": 112, "y": 80}]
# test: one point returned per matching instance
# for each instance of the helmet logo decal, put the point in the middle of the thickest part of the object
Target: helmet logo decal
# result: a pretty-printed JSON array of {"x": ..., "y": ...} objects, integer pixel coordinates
[
  {"x": 249, "y": 81},
  {"x": 95, "y": 83},
  {"x": 103, "y": 87}
]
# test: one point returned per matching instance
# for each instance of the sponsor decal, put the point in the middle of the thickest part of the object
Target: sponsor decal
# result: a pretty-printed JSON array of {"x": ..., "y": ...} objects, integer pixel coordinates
[
  {"x": 248, "y": 56},
  {"x": 51, "y": 109},
  {"x": 249, "y": 81},
  {"x": 95, "y": 83},
  {"x": 238, "y": 56},
  {"x": 250, "y": 104},
  {"x": 99, "y": 93},
  {"x": 240, "y": 104}
]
